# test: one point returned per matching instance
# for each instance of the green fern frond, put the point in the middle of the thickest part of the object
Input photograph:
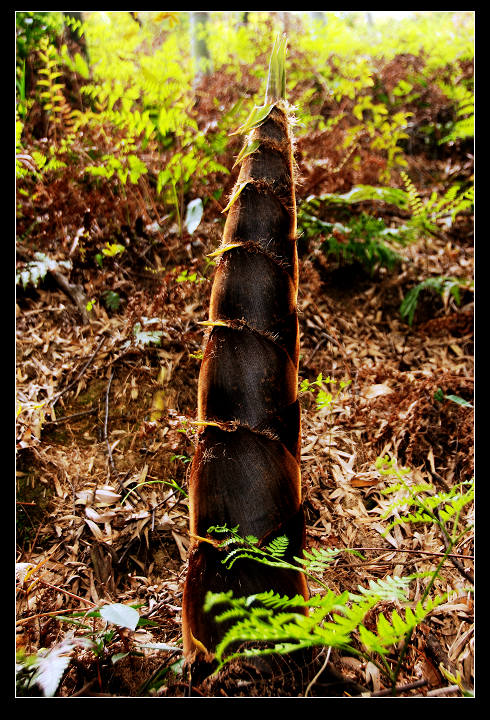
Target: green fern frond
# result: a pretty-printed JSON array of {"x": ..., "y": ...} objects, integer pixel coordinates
[
  {"x": 333, "y": 620},
  {"x": 444, "y": 286},
  {"x": 390, "y": 589},
  {"x": 278, "y": 546},
  {"x": 414, "y": 201},
  {"x": 390, "y": 632},
  {"x": 317, "y": 560}
]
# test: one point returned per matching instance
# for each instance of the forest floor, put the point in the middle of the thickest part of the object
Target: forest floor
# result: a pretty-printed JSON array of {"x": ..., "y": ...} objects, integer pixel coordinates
[{"x": 102, "y": 479}]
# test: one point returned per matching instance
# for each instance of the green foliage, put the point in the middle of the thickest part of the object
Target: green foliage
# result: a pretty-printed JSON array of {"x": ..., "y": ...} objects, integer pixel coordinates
[
  {"x": 270, "y": 623},
  {"x": 384, "y": 131},
  {"x": 443, "y": 286},
  {"x": 440, "y": 397},
  {"x": 324, "y": 397},
  {"x": 361, "y": 193},
  {"x": 464, "y": 124},
  {"x": 186, "y": 276},
  {"x": 50, "y": 90},
  {"x": 112, "y": 299},
  {"x": 425, "y": 214},
  {"x": 112, "y": 249},
  {"x": 421, "y": 503},
  {"x": 364, "y": 239},
  {"x": 34, "y": 27}
]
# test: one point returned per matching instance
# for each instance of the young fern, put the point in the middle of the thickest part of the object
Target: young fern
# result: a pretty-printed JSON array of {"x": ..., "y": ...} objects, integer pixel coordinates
[
  {"x": 269, "y": 623},
  {"x": 444, "y": 286}
]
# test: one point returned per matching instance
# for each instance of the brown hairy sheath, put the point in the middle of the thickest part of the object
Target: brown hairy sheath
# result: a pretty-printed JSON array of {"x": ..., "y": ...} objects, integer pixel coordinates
[{"x": 245, "y": 470}]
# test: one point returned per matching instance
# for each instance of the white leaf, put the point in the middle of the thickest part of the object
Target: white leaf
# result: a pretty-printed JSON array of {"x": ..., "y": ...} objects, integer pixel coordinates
[
  {"x": 120, "y": 614},
  {"x": 103, "y": 495},
  {"x": 21, "y": 570},
  {"x": 193, "y": 215},
  {"x": 51, "y": 667}
]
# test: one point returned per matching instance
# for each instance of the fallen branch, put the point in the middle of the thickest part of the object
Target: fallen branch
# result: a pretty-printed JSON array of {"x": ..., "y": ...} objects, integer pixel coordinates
[
  {"x": 106, "y": 420},
  {"x": 442, "y": 692},
  {"x": 74, "y": 292}
]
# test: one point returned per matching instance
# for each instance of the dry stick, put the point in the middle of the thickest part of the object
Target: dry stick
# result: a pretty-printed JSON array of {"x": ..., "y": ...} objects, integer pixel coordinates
[
  {"x": 106, "y": 419},
  {"x": 66, "y": 418},
  {"x": 442, "y": 691},
  {"x": 73, "y": 292},
  {"x": 73, "y": 382},
  {"x": 454, "y": 558},
  {"x": 313, "y": 681},
  {"x": 86, "y": 687},
  {"x": 416, "y": 552},
  {"x": 23, "y": 621},
  {"x": 399, "y": 688},
  {"x": 66, "y": 592},
  {"x": 112, "y": 467}
]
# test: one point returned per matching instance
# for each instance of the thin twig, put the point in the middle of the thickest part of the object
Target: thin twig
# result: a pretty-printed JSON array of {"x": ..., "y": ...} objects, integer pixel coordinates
[
  {"x": 417, "y": 552},
  {"x": 399, "y": 689},
  {"x": 455, "y": 559},
  {"x": 112, "y": 467},
  {"x": 66, "y": 592},
  {"x": 86, "y": 687},
  {"x": 106, "y": 419},
  {"x": 73, "y": 382},
  {"x": 66, "y": 418},
  {"x": 23, "y": 621},
  {"x": 313, "y": 681}
]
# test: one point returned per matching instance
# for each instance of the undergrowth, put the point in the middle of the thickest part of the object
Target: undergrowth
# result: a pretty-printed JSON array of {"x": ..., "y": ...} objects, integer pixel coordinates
[{"x": 267, "y": 623}]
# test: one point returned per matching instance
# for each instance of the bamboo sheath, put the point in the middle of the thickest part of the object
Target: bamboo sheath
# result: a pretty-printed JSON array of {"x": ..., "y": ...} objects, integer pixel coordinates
[{"x": 245, "y": 470}]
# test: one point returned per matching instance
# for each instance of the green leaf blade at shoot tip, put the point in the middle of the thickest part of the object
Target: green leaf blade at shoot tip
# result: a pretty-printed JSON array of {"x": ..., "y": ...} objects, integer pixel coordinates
[
  {"x": 256, "y": 118},
  {"x": 276, "y": 81},
  {"x": 224, "y": 249},
  {"x": 236, "y": 193},
  {"x": 247, "y": 150}
]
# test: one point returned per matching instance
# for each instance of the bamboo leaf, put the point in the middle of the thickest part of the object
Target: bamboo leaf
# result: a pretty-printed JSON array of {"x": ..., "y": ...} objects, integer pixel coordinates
[
  {"x": 276, "y": 81},
  {"x": 236, "y": 192},
  {"x": 256, "y": 118},
  {"x": 247, "y": 150}
]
